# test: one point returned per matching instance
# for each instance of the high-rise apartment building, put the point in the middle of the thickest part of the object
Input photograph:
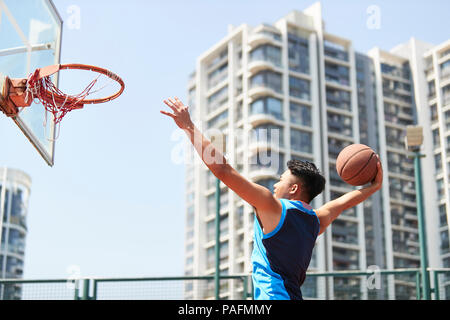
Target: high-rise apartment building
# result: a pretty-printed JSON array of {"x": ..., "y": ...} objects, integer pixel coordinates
[
  {"x": 14, "y": 194},
  {"x": 293, "y": 90}
]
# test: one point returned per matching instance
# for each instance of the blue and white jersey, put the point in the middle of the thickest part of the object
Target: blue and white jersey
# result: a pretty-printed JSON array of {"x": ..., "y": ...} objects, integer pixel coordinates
[{"x": 280, "y": 258}]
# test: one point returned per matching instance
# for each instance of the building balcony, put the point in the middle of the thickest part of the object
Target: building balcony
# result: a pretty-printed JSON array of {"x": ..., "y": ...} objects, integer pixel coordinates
[
  {"x": 259, "y": 38},
  {"x": 256, "y": 66},
  {"x": 261, "y": 118},
  {"x": 255, "y": 146},
  {"x": 404, "y": 255},
  {"x": 395, "y": 72},
  {"x": 335, "y": 53},
  {"x": 263, "y": 173},
  {"x": 338, "y": 83},
  {"x": 261, "y": 91}
]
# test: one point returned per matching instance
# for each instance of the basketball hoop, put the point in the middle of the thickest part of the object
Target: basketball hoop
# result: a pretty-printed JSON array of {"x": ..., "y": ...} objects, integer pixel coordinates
[{"x": 18, "y": 93}]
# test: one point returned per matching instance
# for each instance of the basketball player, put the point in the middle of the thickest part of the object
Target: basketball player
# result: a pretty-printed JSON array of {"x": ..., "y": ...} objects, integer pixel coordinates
[{"x": 286, "y": 226}]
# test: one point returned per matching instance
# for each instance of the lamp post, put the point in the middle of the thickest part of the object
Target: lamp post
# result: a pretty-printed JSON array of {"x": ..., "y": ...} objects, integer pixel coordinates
[
  {"x": 413, "y": 141},
  {"x": 217, "y": 249},
  {"x": 218, "y": 140}
]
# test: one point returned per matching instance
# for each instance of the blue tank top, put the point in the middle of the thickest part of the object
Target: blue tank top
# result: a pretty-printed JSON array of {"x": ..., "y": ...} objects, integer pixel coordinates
[{"x": 280, "y": 259}]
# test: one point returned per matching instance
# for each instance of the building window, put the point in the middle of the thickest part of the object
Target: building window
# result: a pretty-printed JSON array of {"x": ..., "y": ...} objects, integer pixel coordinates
[
  {"x": 401, "y": 72},
  {"x": 298, "y": 54},
  {"x": 395, "y": 137},
  {"x": 238, "y": 114},
  {"x": 218, "y": 59},
  {"x": 224, "y": 252},
  {"x": 218, "y": 99},
  {"x": 447, "y": 120},
  {"x": 340, "y": 124},
  {"x": 335, "y": 179},
  {"x": 299, "y": 88},
  {"x": 446, "y": 95},
  {"x": 445, "y": 245},
  {"x": 434, "y": 113},
  {"x": 438, "y": 162},
  {"x": 436, "y": 138},
  {"x": 239, "y": 217},
  {"x": 211, "y": 202},
  {"x": 218, "y": 75},
  {"x": 337, "y": 74},
  {"x": 338, "y": 98},
  {"x": 345, "y": 232},
  {"x": 445, "y": 69},
  {"x": 268, "y": 159},
  {"x": 267, "y": 133},
  {"x": 442, "y": 216},
  {"x": 301, "y": 141},
  {"x": 335, "y": 50},
  {"x": 335, "y": 146},
  {"x": 268, "y": 79},
  {"x": 268, "y": 105},
  {"x": 273, "y": 35},
  {"x": 268, "y": 53},
  {"x": 345, "y": 259},
  {"x": 300, "y": 114},
  {"x": 431, "y": 89},
  {"x": 210, "y": 257},
  {"x": 219, "y": 120},
  {"x": 440, "y": 188}
]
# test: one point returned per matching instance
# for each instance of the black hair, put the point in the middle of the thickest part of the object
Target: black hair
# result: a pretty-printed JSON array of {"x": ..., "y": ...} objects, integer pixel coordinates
[{"x": 312, "y": 181}]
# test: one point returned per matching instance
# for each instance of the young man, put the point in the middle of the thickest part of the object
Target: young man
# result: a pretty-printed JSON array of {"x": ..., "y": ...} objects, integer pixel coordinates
[{"x": 286, "y": 226}]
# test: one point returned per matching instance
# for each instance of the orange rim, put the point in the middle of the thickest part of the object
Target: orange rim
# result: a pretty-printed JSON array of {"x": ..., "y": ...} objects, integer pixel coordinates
[{"x": 103, "y": 71}]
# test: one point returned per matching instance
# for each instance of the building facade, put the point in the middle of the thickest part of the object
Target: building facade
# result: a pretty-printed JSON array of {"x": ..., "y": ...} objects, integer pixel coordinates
[
  {"x": 293, "y": 90},
  {"x": 14, "y": 194}
]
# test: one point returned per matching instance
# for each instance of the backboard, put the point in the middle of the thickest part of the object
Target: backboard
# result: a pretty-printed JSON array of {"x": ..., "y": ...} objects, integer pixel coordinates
[{"x": 30, "y": 38}]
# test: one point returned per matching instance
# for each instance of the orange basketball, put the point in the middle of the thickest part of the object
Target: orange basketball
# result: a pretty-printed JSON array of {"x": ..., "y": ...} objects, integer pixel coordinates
[{"x": 357, "y": 164}]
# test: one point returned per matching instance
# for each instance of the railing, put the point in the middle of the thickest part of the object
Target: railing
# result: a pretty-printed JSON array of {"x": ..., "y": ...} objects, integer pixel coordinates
[{"x": 374, "y": 284}]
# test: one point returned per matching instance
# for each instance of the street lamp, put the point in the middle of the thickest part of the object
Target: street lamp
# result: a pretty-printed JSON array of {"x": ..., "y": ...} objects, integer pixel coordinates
[
  {"x": 413, "y": 142},
  {"x": 218, "y": 140}
]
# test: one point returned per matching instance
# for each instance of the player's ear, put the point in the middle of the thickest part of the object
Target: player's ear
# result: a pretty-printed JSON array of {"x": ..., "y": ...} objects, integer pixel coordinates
[{"x": 294, "y": 188}]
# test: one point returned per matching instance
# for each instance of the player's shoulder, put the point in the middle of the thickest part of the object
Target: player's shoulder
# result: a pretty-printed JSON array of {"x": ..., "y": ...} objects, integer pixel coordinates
[
  {"x": 300, "y": 207},
  {"x": 297, "y": 204}
]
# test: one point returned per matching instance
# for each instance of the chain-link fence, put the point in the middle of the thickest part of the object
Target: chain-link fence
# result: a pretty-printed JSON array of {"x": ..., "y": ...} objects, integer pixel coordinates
[
  {"x": 362, "y": 285},
  {"x": 13, "y": 289},
  {"x": 404, "y": 284},
  {"x": 442, "y": 283}
]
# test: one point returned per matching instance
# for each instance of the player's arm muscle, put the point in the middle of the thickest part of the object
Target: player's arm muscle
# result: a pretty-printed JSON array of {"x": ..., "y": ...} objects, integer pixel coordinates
[
  {"x": 331, "y": 210},
  {"x": 266, "y": 205},
  {"x": 256, "y": 195}
]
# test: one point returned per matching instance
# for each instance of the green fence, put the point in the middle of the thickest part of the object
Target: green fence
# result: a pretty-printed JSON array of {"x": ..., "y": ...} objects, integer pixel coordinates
[{"x": 400, "y": 284}]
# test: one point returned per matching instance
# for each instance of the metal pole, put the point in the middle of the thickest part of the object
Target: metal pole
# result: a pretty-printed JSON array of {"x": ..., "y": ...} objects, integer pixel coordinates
[
  {"x": 244, "y": 287},
  {"x": 3, "y": 185},
  {"x": 436, "y": 285},
  {"x": 422, "y": 232},
  {"x": 86, "y": 289},
  {"x": 217, "y": 274},
  {"x": 418, "y": 293}
]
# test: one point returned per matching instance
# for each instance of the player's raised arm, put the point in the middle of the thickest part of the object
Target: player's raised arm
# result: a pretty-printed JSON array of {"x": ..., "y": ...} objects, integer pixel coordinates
[
  {"x": 256, "y": 195},
  {"x": 331, "y": 210}
]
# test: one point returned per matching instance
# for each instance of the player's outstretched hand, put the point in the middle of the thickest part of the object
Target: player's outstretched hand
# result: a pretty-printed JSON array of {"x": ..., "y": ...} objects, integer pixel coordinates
[
  {"x": 180, "y": 113},
  {"x": 378, "y": 181}
]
